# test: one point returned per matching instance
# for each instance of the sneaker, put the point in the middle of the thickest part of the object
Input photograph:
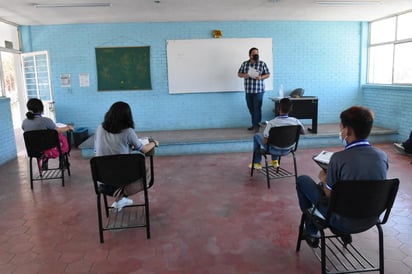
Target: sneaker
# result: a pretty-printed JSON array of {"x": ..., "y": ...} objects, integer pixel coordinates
[
  {"x": 122, "y": 203},
  {"x": 399, "y": 147},
  {"x": 255, "y": 166},
  {"x": 274, "y": 163}
]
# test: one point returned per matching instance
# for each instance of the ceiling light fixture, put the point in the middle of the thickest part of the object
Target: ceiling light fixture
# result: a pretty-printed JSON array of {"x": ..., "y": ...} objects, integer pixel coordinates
[
  {"x": 73, "y": 5},
  {"x": 348, "y": 2}
]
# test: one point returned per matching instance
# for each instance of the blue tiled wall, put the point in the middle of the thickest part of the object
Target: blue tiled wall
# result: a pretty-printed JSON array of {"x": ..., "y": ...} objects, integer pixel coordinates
[
  {"x": 324, "y": 58},
  {"x": 392, "y": 107},
  {"x": 7, "y": 140}
]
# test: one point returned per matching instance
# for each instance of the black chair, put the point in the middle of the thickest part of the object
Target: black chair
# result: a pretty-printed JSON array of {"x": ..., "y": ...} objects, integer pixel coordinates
[
  {"x": 355, "y": 200},
  {"x": 281, "y": 137},
  {"x": 38, "y": 141},
  {"x": 118, "y": 171}
]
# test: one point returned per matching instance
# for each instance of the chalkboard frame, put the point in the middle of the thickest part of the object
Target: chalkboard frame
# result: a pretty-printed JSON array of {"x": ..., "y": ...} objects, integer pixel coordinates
[{"x": 123, "y": 68}]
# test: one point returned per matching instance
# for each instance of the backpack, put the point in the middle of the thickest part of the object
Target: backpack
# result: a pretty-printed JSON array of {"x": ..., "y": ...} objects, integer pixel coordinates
[{"x": 54, "y": 152}]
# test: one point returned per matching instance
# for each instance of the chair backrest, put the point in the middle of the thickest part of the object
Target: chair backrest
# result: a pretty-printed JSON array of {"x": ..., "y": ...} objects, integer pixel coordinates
[
  {"x": 37, "y": 141},
  {"x": 284, "y": 136},
  {"x": 118, "y": 170},
  {"x": 363, "y": 199}
]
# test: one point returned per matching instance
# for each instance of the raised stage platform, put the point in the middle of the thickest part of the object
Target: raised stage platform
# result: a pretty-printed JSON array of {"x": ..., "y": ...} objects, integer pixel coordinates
[{"x": 226, "y": 140}]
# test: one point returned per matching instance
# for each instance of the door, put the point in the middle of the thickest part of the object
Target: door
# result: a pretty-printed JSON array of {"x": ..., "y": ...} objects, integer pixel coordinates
[{"x": 36, "y": 72}]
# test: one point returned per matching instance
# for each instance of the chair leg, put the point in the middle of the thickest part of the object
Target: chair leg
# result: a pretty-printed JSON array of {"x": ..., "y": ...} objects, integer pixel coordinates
[
  {"x": 31, "y": 173},
  {"x": 381, "y": 250},
  {"x": 67, "y": 163},
  {"x": 99, "y": 215},
  {"x": 323, "y": 251},
  {"x": 295, "y": 167},
  {"x": 147, "y": 215},
  {"x": 300, "y": 235},
  {"x": 253, "y": 166},
  {"x": 106, "y": 207},
  {"x": 267, "y": 171}
]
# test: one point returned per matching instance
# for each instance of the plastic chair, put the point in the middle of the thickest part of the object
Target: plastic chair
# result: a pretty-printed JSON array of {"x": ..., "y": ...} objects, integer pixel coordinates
[
  {"x": 355, "y": 200},
  {"x": 38, "y": 141},
  {"x": 118, "y": 171},
  {"x": 280, "y": 137}
]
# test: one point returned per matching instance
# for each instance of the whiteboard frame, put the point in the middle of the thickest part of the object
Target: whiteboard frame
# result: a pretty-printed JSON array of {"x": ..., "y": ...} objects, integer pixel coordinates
[{"x": 211, "y": 65}]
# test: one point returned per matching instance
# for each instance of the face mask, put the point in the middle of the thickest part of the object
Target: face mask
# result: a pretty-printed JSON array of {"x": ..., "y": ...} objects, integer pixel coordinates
[
  {"x": 255, "y": 57},
  {"x": 343, "y": 140}
]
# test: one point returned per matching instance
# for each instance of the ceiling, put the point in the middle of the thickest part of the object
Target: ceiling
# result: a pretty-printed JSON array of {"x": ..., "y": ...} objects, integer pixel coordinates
[{"x": 24, "y": 12}]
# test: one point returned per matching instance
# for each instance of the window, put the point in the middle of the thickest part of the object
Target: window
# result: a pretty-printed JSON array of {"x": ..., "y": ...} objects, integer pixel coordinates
[
  {"x": 390, "y": 50},
  {"x": 37, "y": 81}
]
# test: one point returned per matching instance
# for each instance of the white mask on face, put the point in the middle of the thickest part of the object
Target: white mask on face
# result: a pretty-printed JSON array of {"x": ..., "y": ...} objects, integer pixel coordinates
[{"x": 343, "y": 140}]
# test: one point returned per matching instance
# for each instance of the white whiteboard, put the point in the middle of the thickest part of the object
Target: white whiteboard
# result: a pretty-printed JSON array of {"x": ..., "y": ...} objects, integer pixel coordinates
[{"x": 211, "y": 65}]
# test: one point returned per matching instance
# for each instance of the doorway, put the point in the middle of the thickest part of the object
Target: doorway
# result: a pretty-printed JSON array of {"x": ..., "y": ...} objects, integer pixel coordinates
[
  {"x": 12, "y": 87},
  {"x": 25, "y": 76}
]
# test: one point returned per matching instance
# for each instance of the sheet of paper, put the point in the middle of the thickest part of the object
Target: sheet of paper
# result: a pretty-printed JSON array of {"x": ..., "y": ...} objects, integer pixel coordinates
[
  {"x": 144, "y": 140},
  {"x": 60, "y": 125},
  {"x": 253, "y": 73}
]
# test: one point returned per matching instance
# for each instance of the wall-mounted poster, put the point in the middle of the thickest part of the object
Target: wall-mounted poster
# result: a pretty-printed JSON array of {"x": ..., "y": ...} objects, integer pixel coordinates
[
  {"x": 65, "y": 80},
  {"x": 123, "y": 68},
  {"x": 84, "y": 80}
]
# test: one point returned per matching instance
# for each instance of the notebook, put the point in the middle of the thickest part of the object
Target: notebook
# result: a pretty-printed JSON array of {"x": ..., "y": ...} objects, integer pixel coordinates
[{"x": 323, "y": 158}]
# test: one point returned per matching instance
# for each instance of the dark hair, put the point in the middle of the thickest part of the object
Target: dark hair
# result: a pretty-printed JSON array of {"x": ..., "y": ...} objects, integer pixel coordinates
[
  {"x": 252, "y": 49},
  {"x": 118, "y": 117},
  {"x": 285, "y": 105},
  {"x": 35, "y": 106},
  {"x": 360, "y": 119}
]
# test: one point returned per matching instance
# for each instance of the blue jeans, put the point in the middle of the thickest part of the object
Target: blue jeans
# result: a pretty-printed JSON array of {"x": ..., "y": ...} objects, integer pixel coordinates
[
  {"x": 275, "y": 152},
  {"x": 254, "y": 104},
  {"x": 309, "y": 193}
]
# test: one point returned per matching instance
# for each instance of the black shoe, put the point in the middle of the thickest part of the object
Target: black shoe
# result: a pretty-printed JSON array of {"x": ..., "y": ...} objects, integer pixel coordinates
[
  {"x": 346, "y": 239},
  {"x": 45, "y": 165},
  {"x": 251, "y": 128},
  {"x": 312, "y": 241}
]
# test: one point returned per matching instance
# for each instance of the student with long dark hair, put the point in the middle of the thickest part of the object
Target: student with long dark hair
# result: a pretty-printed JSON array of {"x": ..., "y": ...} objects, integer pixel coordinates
[{"x": 116, "y": 135}]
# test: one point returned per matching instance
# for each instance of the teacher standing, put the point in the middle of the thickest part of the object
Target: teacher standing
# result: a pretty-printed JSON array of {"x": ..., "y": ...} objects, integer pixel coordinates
[{"x": 254, "y": 71}]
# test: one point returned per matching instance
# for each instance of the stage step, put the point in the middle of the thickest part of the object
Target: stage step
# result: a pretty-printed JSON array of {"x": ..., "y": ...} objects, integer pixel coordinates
[{"x": 227, "y": 140}]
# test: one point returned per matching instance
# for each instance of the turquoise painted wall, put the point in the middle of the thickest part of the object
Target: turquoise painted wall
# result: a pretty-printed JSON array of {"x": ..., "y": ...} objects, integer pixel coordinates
[{"x": 324, "y": 58}]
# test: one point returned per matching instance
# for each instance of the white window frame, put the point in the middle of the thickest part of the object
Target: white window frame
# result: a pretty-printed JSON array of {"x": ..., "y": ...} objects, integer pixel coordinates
[{"x": 390, "y": 59}]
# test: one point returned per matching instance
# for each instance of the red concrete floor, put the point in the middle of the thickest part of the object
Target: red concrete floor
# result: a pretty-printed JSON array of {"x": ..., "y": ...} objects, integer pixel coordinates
[{"x": 207, "y": 214}]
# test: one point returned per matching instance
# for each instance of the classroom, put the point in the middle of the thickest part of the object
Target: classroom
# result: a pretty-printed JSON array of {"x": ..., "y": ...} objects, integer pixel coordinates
[{"x": 327, "y": 58}]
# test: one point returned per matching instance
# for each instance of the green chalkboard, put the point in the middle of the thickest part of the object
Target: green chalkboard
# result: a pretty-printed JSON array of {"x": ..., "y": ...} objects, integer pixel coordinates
[{"x": 123, "y": 68}]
